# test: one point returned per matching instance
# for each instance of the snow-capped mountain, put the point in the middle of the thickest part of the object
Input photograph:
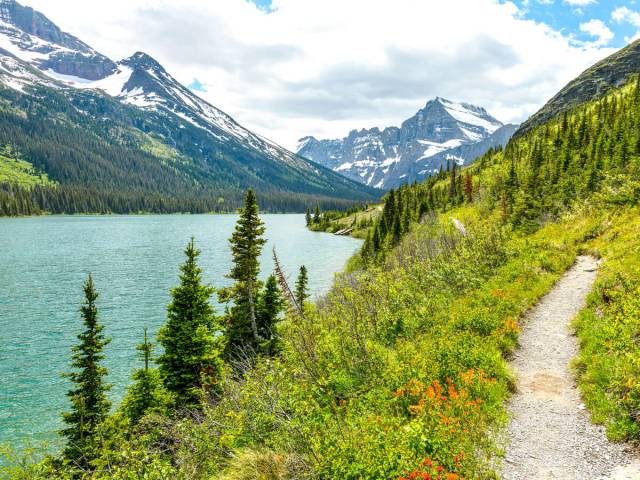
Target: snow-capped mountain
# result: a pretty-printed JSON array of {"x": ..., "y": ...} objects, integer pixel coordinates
[
  {"x": 32, "y": 37},
  {"x": 440, "y": 132},
  {"x": 138, "y": 94}
]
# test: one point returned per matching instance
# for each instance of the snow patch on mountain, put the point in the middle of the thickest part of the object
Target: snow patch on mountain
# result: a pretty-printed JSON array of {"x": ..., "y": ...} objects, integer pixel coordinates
[
  {"x": 112, "y": 85},
  {"x": 443, "y": 131},
  {"x": 470, "y": 114},
  {"x": 434, "y": 148}
]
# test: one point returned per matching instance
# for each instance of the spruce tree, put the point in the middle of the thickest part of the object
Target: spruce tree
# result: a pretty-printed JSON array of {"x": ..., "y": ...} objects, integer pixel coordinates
[
  {"x": 147, "y": 393},
  {"x": 367, "y": 247},
  {"x": 246, "y": 245},
  {"x": 270, "y": 306},
  {"x": 316, "y": 214},
  {"x": 302, "y": 287},
  {"x": 378, "y": 238},
  {"x": 191, "y": 363},
  {"x": 452, "y": 182},
  {"x": 89, "y": 403},
  {"x": 307, "y": 217}
]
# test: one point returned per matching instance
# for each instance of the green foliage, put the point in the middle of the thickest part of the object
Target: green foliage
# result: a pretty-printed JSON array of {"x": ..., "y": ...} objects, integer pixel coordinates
[
  {"x": 355, "y": 221},
  {"x": 271, "y": 304},
  {"x": 89, "y": 403},
  {"x": 29, "y": 464},
  {"x": 16, "y": 171},
  {"x": 302, "y": 287},
  {"x": 608, "y": 365},
  {"x": 191, "y": 363},
  {"x": 246, "y": 245},
  {"x": 147, "y": 393}
]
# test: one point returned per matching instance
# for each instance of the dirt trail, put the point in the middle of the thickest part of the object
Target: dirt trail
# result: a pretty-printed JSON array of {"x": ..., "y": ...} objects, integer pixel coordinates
[{"x": 550, "y": 432}]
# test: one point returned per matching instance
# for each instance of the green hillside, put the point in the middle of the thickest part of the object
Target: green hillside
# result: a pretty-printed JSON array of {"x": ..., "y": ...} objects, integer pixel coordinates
[
  {"x": 16, "y": 171},
  {"x": 107, "y": 157}
]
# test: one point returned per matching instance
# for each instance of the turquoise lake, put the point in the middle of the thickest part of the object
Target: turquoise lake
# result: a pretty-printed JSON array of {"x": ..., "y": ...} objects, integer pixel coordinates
[{"x": 134, "y": 261}]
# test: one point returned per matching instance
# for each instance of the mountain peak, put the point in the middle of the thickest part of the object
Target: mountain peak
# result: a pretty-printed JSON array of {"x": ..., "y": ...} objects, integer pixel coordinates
[
  {"x": 35, "y": 23},
  {"x": 144, "y": 61},
  {"x": 424, "y": 142},
  {"x": 34, "y": 38}
]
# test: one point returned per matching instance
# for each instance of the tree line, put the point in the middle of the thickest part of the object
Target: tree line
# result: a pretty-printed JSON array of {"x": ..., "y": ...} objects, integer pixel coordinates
[{"x": 69, "y": 199}]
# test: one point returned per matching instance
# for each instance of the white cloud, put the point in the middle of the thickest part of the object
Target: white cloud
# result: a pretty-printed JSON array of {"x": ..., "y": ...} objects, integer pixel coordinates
[
  {"x": 624, "y": 14},
  {"x": 580, "y": 3},
  {"x": 596, "y": 28},
  {"x": 326, "y": 67}
]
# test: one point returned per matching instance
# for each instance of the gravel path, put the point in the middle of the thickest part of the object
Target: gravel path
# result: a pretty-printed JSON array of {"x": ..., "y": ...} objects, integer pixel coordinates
[{"x": 550, "y": 431}]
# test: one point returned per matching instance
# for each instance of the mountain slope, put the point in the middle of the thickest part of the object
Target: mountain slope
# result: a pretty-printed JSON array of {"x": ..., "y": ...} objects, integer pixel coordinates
[
  {"x": 441, "y": 132},
  {"x": 137, "y": 119},
  {"x": 612, "y": 72}
]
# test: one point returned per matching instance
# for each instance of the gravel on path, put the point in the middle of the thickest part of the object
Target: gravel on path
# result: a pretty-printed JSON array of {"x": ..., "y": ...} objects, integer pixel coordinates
[{"x": 550, "y": 432}]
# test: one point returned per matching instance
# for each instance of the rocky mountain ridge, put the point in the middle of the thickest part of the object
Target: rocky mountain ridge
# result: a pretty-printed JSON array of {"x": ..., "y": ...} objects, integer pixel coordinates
[{"x": 443, "y": 131}]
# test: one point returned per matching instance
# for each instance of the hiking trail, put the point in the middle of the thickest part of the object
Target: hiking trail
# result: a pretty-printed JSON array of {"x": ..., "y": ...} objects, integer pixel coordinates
[{"x": 550, "y": 432}]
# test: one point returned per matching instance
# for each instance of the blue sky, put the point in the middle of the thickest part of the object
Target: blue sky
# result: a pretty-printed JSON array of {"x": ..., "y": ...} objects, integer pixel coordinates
[
  {"x": 567, "y": 16},
  {"x": 264, "y": 5}
]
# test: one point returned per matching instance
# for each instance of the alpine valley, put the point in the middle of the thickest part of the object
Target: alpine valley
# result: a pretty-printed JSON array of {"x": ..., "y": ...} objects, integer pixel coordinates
[
  {"x": 82, "y": 133},
  {"x": 440, "y": 133}
]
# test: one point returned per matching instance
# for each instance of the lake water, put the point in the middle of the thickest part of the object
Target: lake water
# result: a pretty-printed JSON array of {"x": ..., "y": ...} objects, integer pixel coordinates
[{"x": 134, "y": 261}]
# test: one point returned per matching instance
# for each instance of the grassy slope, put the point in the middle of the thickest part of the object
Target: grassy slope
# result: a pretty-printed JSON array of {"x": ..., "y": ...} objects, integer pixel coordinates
[
  {"x": 358, "y": 222},
  {"x": 16, "y": 171}
]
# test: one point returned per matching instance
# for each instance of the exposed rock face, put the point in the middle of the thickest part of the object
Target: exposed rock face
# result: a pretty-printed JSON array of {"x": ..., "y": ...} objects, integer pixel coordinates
[
  {"x": 91, "y": 67},
  {"x": 442, "y": 131},
  {"x": 614, "y": 71},
  {"x": 32, "y": 33}
]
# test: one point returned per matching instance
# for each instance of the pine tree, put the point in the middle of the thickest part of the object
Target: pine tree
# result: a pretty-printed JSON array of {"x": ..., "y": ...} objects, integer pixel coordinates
[
  {"x": 307, "y": 217},
  {"x": 397, "y": 230},
  {"x": 270, "y": 306},
  {"x": 316, "y": 214},
  {"x": 302, "y": 287},
  {"x": 406, "y": 220},
  {"x": 452, "y": 182},
  {"x": 191, "y": 363},
  {"x": 89, "y": 403},
  {"x": 246, "y": 245},
  {"x": 388, "y": 213},
  {"x": 367, "y": 247},
  {"x": 147, "y": 393}
]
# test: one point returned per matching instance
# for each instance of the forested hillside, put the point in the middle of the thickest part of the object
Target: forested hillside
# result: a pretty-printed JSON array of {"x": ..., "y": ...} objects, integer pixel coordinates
[
  {"x": 98, "y": 166},
  {"x": 400, "y": 371}
]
